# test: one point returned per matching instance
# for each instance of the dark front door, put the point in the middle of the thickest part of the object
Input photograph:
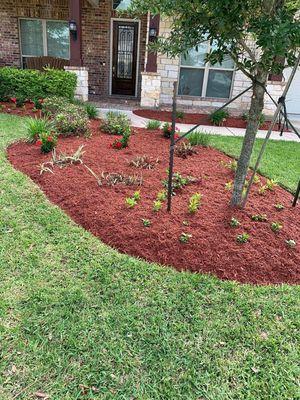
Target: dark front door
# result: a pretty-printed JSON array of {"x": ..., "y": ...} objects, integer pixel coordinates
[{"x": 124, "y": 60}]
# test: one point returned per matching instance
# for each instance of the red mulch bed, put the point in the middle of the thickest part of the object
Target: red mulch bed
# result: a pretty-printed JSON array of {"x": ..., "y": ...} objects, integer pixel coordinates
[
  {"x": 26, "y": 111},
  {"x": 195, "y": 119},
  {"x": 213, "y": 249}
]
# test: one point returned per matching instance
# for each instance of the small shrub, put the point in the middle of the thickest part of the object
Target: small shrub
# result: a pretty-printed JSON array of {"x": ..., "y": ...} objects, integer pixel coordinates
[
  {"x": 279, "y": 206},
  {"x": 198, "y": 139},
  {"x": 36, "y": 126},
  {"x": 157, "y": 205},
  {"x": 261, "y": 118},
  {"x": 229, "y": 185},
  {"x": 234, "y": 222},
  {"x": 185, "y": 237},
  {"x": 276, "y": 226},
  {"x": 179, "y": 114},
  {"x": 20, "y": 100},
  {"x": 115, "y": 178},
  {"x": 194, "y": 203},
  {"x": 232, "y": 165},
  {"x": 73, "y": 120},
  {"x": 116, "y": 124},
  {"x": 271, "y": 184},
  {"x": 146, "y": 222},
  {"x": 143, "y": 162},
  {"x": 219, "y": 117},
  {"x": 259, "y": 218},
  {"x": 242, "y": 238},
  {"x": 184, "y": 150},
  {"x": 153, "y": 125},
  {"x": 47, "y": 142},
  {"x": 256, "y": 179},
  {"x": 130, "y": 202},
  {"x": 291, "y": 243},
  {"x": 137, "y": 195},
  {"x": 91, "y": 111},
  {"x": 262, "y": 190},
  {"x": 121, "y": 143},
  {"x": 179, "y": 181},
  {"x": 167, "y": 130},
  {"x": 52, "y": 105},
  {"x": 63, "y": 159},
  {"x": 162, "y": 195}
]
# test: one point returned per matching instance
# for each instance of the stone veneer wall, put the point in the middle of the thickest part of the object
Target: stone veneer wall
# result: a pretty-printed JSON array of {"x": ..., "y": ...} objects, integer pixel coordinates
[
  {"x": 95, "y": 36},
  {"x": 82, "y": 89},
  {"x": 151, "y": 88},
  {"x": 169, "y": 72}
]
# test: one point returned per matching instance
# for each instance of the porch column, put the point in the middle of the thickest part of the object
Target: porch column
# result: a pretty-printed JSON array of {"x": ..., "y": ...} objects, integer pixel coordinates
[{"x": 75, "y": 37}]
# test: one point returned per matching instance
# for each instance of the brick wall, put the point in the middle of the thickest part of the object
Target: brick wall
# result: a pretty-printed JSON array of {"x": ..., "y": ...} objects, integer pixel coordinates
[{"x": 95, "y": 40}]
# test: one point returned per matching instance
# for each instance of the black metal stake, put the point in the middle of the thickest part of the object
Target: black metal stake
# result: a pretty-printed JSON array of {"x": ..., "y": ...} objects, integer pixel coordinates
[
  {"x": 296, "y": 195},
  {"x": 172, "y": 149}
]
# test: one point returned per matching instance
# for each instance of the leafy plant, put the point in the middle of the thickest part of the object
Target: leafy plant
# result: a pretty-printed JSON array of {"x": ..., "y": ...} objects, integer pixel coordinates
[
  {"x": 179, "y": 114},
  {"x": 256, "y": 179},
  {"x": 116, "y": 123},
  {"x": 130, "y": 202},
  {"x": 219, "y": 117},
  {"x": 137, "y": 195},
  {"x": 153, "y": 125},
  {"x": 179, "y": 181},
  {"x": 185, "y": 223},
  {"x": 198, "y": 139},
  {"x": 91, "y": 111},
  {"x": 143, "y": 162},
  {"x": 157, "y": 205},
  {"x": 262, "y": 190},
  {"x": 242, "y": 238},
  {"x": 52, "y": 105},
  {"x": 185, "y": 237},
  {"x": 184, "y": 150},
  {"x": 63, "y": 159},
  {"x": 229, "y": 185},
  {"x": 276, "y": 226},
  {"x": 162, "y": 195},
  {"x": 115, "y": 178},
  {"x": 232, "y": 165},
  {"x": 261, "y": 118},
  {"x": 20, "y": 100},
  {"x": 36, "y": 126},
  {"x": 279, "y": 206},
  {"x": 73, "y": 120},
  {"x": 234, "y": 222},
  {"x": 291, "y": 243},
  {"x": 194, "y": 203},
  {"x": 259, "y": 217},
  {"x": 167, "y": 130},
  {"x": 123, "y": 142},
  {"x": 271, "y": 184},
  {"x": 146, "y": 222},
  {"x": 46, "y": 141}
]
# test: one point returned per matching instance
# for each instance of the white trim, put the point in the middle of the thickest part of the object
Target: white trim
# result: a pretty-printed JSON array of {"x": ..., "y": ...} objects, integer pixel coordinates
[
  {"x": 137, "y": 55},
  {"x": 44, "y": 33}
]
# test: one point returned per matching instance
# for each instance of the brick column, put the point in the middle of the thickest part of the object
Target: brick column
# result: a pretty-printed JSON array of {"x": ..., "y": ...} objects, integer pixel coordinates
[
  {"x": 76, "y": 41},
  {"x": 152, "y": 57}
]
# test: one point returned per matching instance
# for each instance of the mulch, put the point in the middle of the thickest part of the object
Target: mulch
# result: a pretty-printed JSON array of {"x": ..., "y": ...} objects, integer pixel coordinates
[
  {"x": 195, "y": 119},
  {"x": 27, "y": 110},
  {"x": 212, "y": 249}
]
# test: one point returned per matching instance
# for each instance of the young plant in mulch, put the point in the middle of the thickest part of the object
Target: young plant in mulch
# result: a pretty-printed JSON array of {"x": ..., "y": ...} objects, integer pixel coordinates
[
  {"x": 262, "y": 190},
  {"x": 179, "y": 114},
  {"x": 36, "y": 126},
  {"x": 62, "y": 160},
  {"x": 157, "y": 205},
  {"x": 279, "y": 206},
  {"x": 47, "y": 142},
  {"x": 167, "y": 130},
  {"x": 291, "y": 243},
  {"x": 185, "y": 223},
  {"x": 116, "y": 123},
  {"x": 232, "y": 165},
  {"x": 198, "y": 139},
  {"x": 194, "y": 203},
  {"x": 276, "y": 226},
  {"x": 122, "y": 143},
  {"x": 219, "y": 117},
  {"x": 184, "y": 150},
  {"x": 162, "y": 196},
  {"x": 116, "y": 178},
  {"x": 271, "y": 184},
  {"x": 132, "y": 201},
  {"x": 229, "y": 185},
  {"x": 153, "y": 125},
  {"x": 143, "y": 162},
  {"x": 242, "y": 238},
  {"x": 185, "y": 237},
  {"x": 234, "y": 223},
  {"x": 259, "y": 218},
  {"x": 146, "y": 222},
  {"x": 179, "y": 181}
]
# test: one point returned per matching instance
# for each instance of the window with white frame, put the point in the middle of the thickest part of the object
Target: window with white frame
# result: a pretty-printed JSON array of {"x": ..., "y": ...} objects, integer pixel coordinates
[
  {"x": 40, "y": 37},
  {"x": 198, "y": 78}
]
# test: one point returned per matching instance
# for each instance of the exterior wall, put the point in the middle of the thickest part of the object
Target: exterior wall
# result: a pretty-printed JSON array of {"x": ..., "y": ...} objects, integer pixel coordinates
[
  {"x": 151, "y": 86},
  {"x": 96, "y": 36},
  {"x": 169, "y": 72},
  {"x": 82, "y": 89}
]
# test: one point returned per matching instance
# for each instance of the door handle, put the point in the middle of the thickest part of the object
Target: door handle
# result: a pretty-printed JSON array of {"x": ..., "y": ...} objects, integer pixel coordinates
[{"x": 114, "y": 71}]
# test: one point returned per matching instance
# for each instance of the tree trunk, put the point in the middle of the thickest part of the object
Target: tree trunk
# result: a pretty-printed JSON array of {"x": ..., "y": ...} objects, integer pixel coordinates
[{"x": 256, "y": 108}]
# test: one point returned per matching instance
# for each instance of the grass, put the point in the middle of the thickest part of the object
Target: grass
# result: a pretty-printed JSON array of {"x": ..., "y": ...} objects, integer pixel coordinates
[{"x": 75, "y": 312}]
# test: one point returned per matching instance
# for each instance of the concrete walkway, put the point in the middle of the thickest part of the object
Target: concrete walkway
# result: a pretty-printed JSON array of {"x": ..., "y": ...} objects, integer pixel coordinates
[{"x": 140, "y": 122}]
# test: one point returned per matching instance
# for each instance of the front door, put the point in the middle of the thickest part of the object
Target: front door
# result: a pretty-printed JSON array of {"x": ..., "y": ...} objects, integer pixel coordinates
[{"x": 124, "y": 60}]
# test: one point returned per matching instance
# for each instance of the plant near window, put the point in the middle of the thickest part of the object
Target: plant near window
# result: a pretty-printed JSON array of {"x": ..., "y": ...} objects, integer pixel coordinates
[
  {"x": 116, "y": 123},
  {"x": 276, "y": 226},
  {"x": 35, "y": 126},
  {"x": 198, "y": 139},
  {"x": 91, "y": 111},
  {"x": 153, "y": 125},
  {"x": 52, "y": 105},
  {"x": 242, "y": 238},
  {"x": 219, "y": 117},
  {"x": 46, "y": 141},
  {"x": 185, "y": 237},
  {"x": 194, "y": 203},
  {"x": 272, "y": 26},
  {"x": 179, "y": 114},
  {"x": 261, "y": 118}
]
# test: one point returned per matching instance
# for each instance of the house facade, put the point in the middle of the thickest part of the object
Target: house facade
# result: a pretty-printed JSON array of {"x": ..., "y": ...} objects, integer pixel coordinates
[{"x": 108, "y": 52}]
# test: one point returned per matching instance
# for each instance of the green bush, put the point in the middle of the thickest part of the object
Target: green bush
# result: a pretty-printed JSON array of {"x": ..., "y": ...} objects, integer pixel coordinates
[
  {"x": 36, "y": 126},
  {"x": 116, "y": 124},
  {"x": 91, "y": 110},
  {"x": 53, "y": 105},
  {"x": 33, "y": 85},
  {"x": 219, "y": 117},
  {"x": 198, "y": 139},
  {"x": 153, "y": 125}
]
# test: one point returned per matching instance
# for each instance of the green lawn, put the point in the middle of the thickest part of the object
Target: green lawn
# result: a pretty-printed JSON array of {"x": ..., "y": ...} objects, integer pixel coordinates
[{"x": 75, "y": 312}]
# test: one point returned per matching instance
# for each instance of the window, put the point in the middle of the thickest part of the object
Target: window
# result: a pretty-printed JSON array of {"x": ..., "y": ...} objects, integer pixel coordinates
[
  {"x": 121, "y": 4},
  {"x": 204, "y": 80},
  {"x": 44, "y": 38}
]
